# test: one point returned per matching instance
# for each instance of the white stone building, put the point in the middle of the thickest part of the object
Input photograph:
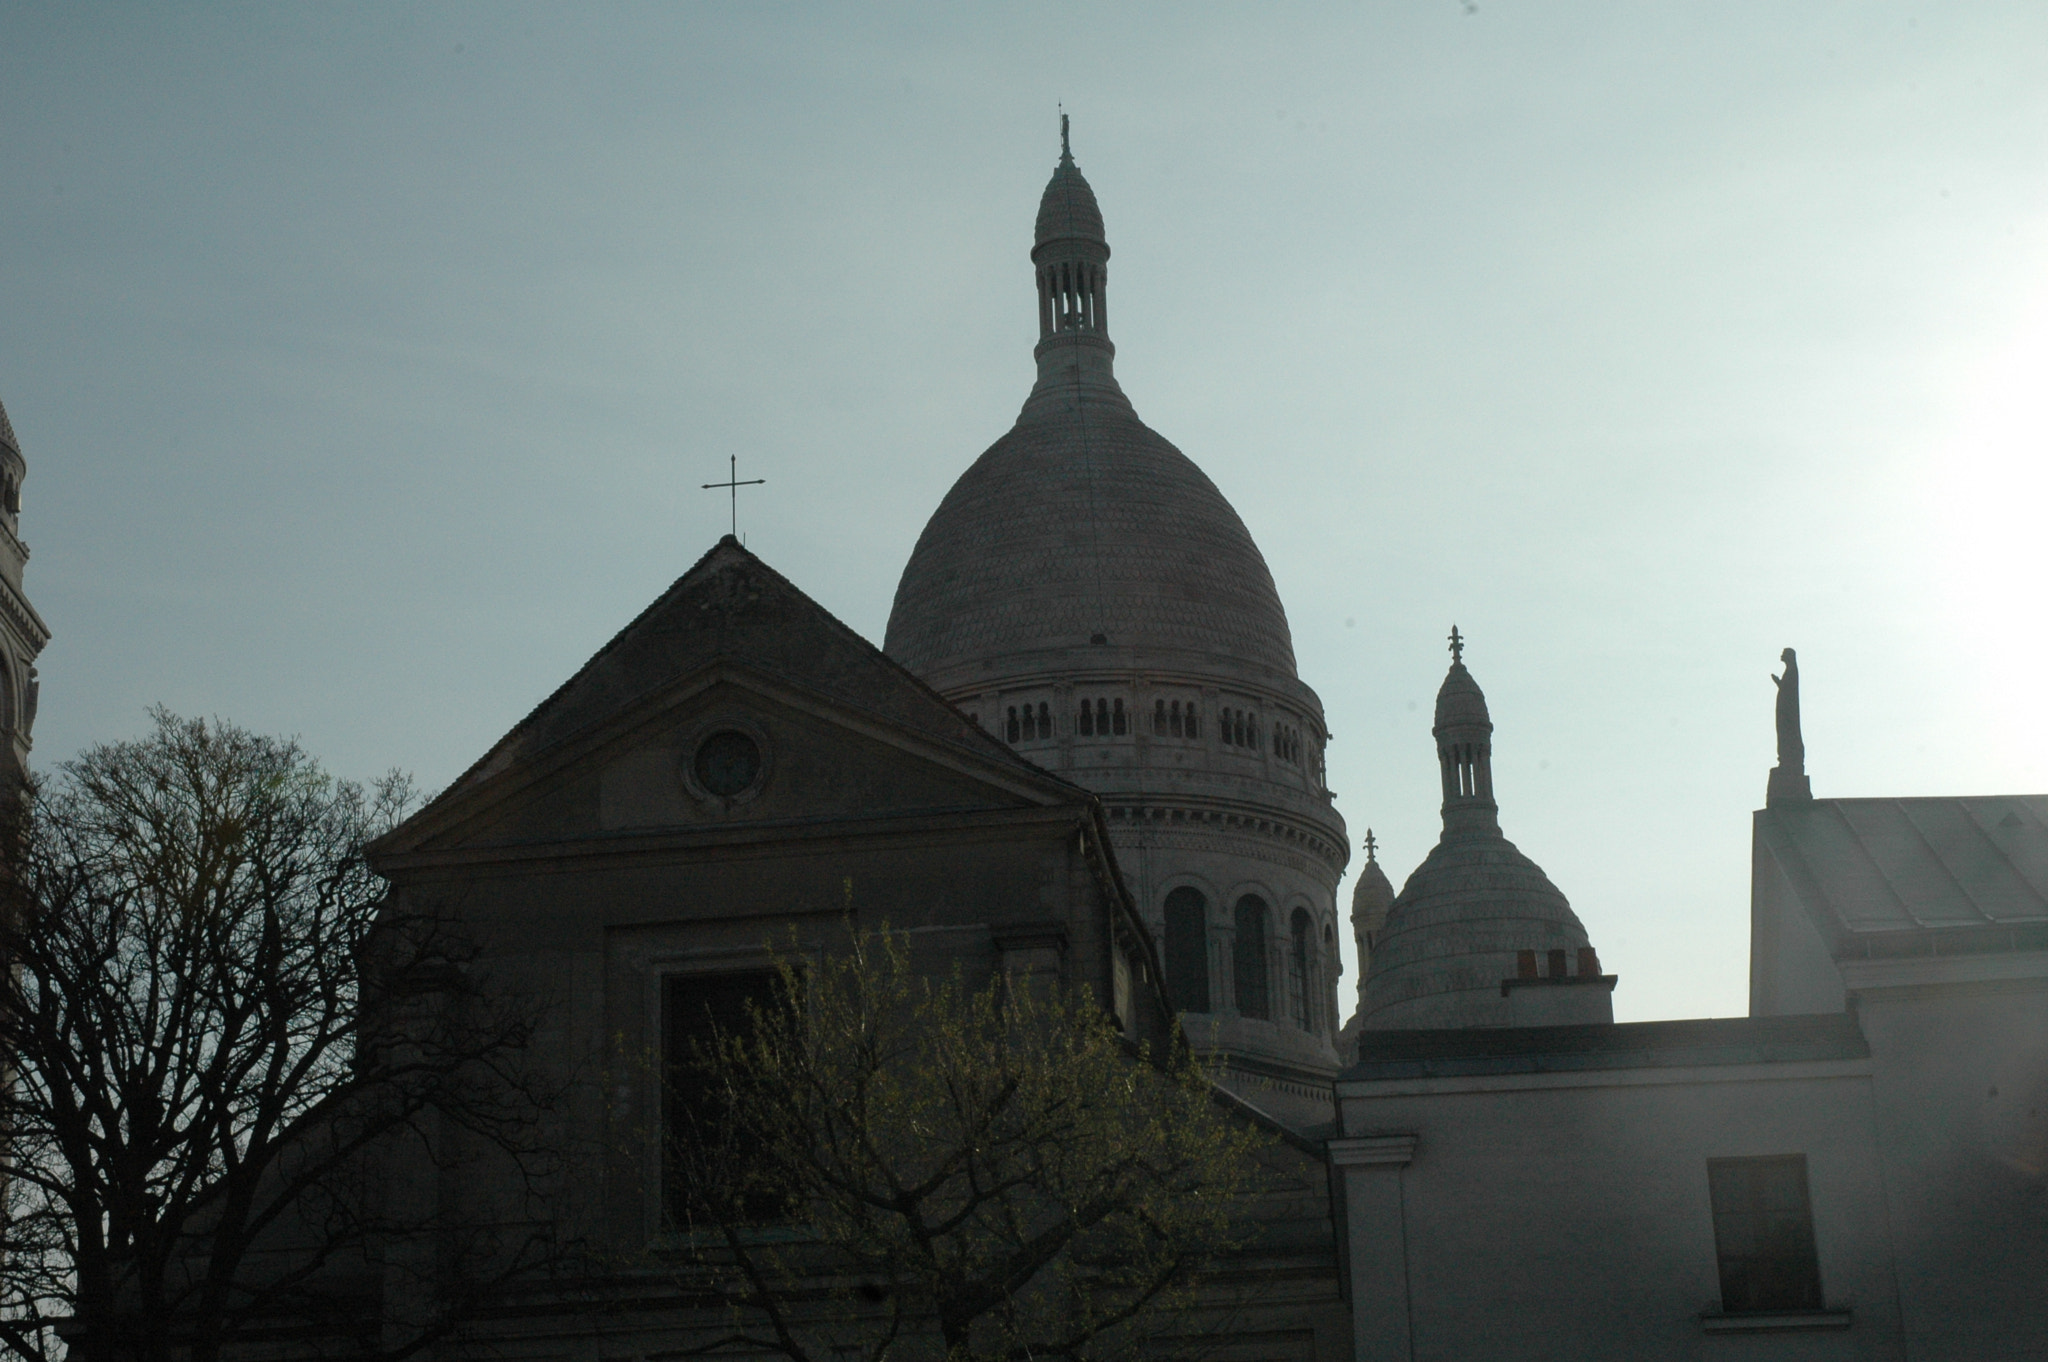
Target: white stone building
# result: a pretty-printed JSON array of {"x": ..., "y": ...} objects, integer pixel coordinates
[{"x": 1858, "y": 1169}]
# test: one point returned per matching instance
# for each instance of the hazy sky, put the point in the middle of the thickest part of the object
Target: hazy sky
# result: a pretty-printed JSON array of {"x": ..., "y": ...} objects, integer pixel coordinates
[{"x": 368, "y": 359}]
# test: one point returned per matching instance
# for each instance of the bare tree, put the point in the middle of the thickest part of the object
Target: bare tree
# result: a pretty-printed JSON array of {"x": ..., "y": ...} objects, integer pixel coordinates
[
  {"x": 890, "y": 1166},
  {"x": 208, "y": 1021}
]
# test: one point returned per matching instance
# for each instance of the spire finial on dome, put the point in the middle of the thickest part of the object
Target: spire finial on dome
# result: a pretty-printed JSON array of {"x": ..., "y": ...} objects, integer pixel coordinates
[
  {"x": 1370, "y": 845},
  {"x": 1457, "y": 647},
  {"x": 1066, "y": 151}
]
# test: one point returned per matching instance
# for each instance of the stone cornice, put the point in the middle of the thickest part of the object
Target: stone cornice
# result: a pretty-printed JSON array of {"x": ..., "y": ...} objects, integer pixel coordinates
[
  {"x": 1374, "y": 1151},
  {"x": 1187, "y": 815},
  {"x": 22, "y": 618},
  {"x": 767, "y": 838}
]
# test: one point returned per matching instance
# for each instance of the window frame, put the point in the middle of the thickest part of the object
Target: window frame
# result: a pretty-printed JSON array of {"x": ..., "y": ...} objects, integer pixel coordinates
[
  {"x": 666, "y": 978},
  {"x": 1735, "y": 1195},
  {"x": 1254, "y": 950},
  {"x": 1178, "y": 897}
]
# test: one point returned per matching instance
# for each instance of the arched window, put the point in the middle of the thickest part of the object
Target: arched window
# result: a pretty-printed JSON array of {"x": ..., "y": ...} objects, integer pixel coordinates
[
  {"x": 1102, "y": 717},
  {"x": 1120, "y": 722},
  {"x": 1085, "y": 725},
  {"x": 1194, "y": 721},
  {"x": 1297, "y": 969},
  {"x": 1044, "y": 721},
  {"x": 1159, "y": 718},
  {"x": 1187, "y": 950},
  {"x": 1174, "y": 714},
  {"x": 1013, "y": 730},
  {"x": 1248, "y": 959}
]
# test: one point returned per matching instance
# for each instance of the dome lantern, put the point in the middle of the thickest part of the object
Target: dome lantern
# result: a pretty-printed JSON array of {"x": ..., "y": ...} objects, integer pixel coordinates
[
  {"x": 1464, "y": 748},
  {"x": 1071, "y": 253}
]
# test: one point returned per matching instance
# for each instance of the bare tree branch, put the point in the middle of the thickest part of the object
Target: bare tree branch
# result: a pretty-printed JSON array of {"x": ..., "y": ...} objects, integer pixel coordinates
[{"x": 210, "y": 1017}]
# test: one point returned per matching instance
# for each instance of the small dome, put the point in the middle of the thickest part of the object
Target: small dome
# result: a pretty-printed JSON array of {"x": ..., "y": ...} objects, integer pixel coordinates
[
  {"x": 1371, "y": 897},
  {"x": 1457, "y": 930},
  {"x": 1460, "y": 702},
  {"x": 1068, "y": 208}
]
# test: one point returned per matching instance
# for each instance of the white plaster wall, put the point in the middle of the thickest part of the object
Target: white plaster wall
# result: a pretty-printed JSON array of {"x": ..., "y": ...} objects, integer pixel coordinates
[
  {"x": 1567, "y": 1216},
  {"x": 1790, "y": 968},
  {"x": 1961, "y": 1082}
]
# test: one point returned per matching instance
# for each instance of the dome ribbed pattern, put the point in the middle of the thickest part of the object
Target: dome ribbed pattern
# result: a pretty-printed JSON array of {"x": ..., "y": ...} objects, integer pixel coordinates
[
  {"x": 1081, "y": 521},
  {"x": 1068, "y": 208},
  {"x": 1454, "y": 932}
]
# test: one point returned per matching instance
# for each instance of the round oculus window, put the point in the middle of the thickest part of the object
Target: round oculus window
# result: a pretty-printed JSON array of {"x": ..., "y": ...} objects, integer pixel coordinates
[{"x": 727, "y": 763}]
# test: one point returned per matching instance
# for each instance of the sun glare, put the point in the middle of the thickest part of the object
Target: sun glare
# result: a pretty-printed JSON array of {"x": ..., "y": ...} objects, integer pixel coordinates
[{"x": 1987, "y": 487}]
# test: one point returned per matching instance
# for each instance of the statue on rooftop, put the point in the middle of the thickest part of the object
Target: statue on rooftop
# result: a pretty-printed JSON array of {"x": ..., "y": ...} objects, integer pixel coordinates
[
  {"x": 1788, "y": 777},
  {"x": 1791, "y": 747}
]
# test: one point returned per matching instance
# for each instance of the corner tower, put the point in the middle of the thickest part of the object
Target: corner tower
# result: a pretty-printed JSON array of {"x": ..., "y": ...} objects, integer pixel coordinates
[
  {"x": 22, "y": 631},
  {"x": 1086, "y": 594}
]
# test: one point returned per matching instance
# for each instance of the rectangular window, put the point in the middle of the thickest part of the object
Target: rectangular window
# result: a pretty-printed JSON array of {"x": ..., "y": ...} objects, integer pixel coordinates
[
  {"x": 696, "y": 1010},
  {"x": 1763, "y": 1234}
]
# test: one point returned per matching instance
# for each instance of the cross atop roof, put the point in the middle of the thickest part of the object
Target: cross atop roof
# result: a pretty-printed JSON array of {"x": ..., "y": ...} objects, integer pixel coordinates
[
  {"x": 732, "y": 485},
  {"x": 1457, "y": 645},
  {"x": 1370, "y": 843}
]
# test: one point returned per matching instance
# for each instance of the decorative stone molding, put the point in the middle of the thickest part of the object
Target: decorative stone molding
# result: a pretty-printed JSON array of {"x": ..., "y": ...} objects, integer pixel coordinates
[
  {"x": 28, "y": 626},
  {"x": 1274, "y": 829},
  {"x": 1772, "y": 1321},
  {"x": 1373, "y": 1151}
]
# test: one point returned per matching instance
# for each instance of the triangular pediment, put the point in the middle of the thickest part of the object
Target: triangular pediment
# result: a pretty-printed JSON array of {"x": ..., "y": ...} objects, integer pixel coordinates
[{"x": 733, "y": 701}]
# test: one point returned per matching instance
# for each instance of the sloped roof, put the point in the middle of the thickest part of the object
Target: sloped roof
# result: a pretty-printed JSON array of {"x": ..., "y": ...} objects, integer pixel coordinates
[
  {"x": 1867, "y": 868},
  {"x": 733, "y": 607}
]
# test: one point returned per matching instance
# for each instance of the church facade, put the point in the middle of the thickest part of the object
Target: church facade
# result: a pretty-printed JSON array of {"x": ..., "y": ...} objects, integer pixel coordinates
[{"x": 1084, "y": 752}]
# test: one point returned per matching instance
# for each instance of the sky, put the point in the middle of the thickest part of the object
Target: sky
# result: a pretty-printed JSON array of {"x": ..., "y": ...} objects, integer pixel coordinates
[{"x": 368, "y": 361}]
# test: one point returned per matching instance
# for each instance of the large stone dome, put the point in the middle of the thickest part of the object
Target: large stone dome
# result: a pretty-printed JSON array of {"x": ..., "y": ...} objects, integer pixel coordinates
[
  {"x": 1082, "y": 526},
  {"x": 1086, "y": 594}
]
